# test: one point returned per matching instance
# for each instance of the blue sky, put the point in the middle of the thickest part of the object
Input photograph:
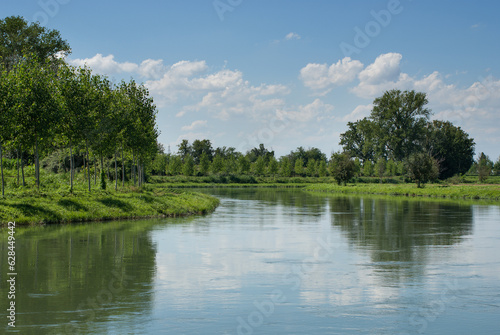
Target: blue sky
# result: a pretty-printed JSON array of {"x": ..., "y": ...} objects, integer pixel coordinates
[{"x": 287, "y": 73}]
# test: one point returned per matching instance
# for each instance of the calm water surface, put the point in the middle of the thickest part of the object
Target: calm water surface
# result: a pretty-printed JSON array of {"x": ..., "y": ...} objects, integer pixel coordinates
[{"x": 266, "y": 262}]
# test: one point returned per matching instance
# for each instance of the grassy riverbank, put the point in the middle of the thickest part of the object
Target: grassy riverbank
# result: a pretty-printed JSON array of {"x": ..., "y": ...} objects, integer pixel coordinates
[
  {"x": 459, "y": 191},
  {"x": 55, "y": 207}
]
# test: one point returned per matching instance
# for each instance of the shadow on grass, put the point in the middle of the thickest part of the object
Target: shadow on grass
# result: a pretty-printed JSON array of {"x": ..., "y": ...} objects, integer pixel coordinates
[
  {"x": 30, "y": 210},
  {"x": 147, "y": 199},
  {"x": 116, "y": 204},
  {"x": 72, "y": 205}
]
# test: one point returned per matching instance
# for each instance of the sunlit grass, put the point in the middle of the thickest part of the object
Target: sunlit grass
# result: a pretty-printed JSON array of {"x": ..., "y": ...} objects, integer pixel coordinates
[
  {"x": 54, "y": 203},
  {"x": 459, "y": 191}
]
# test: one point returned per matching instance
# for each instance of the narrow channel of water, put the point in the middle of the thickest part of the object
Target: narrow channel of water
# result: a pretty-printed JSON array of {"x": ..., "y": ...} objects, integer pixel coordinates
[{"x": 266, "y": 261}]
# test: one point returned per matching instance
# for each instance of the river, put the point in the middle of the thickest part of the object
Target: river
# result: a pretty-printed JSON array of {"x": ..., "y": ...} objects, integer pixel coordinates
[{"x": 267, "y": 261}]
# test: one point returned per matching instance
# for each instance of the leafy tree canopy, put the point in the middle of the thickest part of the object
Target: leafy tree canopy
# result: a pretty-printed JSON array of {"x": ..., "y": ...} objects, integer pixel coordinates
[{"x": 19, "y": 38}]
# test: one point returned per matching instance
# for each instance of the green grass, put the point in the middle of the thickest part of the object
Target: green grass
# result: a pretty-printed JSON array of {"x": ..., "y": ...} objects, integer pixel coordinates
[
  {"x": 45, "y": 208},
  {"x": 54, "y": 203},
  {"x": 460, "y": 191}
]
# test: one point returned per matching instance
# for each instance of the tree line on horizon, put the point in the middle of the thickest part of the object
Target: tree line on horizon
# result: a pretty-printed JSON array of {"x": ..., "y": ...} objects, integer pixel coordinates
[
  {"x": 397, "y": 139},
  {"x": 47, "y": 105}
]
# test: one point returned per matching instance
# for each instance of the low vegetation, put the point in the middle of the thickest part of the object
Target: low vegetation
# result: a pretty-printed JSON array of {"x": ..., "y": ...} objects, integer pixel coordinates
[{"x": 460, "y": 191}]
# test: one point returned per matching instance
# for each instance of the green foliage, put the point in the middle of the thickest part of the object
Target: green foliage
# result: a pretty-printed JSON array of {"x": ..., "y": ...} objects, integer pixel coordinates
[
  {"x": 285, "y": 167},
  {"x": 299, "y": 167},
  {"x": 204, "y": 164},
  {"x": 451, "y": 146},
  {"x": 422, "y": 167},
  {"x": 391, "y": 168},
  {"x": 360, "y": 140},
  {"x": 342, "y": 167},
  {"x": 322, "y": 169},
  {"x": 184, "y": 149},
  {"x": 491, "y": 192},
  {"x": 175, "y": 166},
  {"x": 368, "y": 169},
  {"x": 273, "y": 167},
  {"x": 103, "y": 180},
  {"x": 400, "y": 120},
  {"x": 484, "y": 167},
  {"x": 243, "y": 165},
  {"x": 380, "y": 167},
  {"x": 200, "y": 147},
  {"x": 496, "y": 167},
  {"x": 188, "y": 167},
  {"x": 230, "y": 165},
  {"x": 259, "y": 166},
  {"x": 217, "y": 164},
  {"x": 18, "y": 38},
  {"x": 311, "y": 168},
  {"x": 261, "y": 151}
]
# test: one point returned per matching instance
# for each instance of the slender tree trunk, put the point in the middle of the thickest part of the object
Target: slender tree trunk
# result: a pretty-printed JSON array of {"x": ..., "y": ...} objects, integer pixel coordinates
[
  {"x": 1, "y": 168},
  {"x": 22, "y": 168},
  {"x": 143, "y": 174},
  {"x": 123, "y": 169},
  {"x": 70, "y": 167},
  {"x": 140, "y": 173},
  {"x": 37, "y": 165},
  {"x": 95, "y": 172},
  {"x": 88, "y": 162},
  {"x": 17, "y": 165},
  {"x": 133, "y": 164},
  {"x": 116, "y": 173},
  {"x": 102, "y": 165}
]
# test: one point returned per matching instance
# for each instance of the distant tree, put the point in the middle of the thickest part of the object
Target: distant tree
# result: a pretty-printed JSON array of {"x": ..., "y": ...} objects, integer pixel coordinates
[
  {"x": 261, "y": 151},
  {"x": 199, "y": 147},
  {"x": 400, "y": 119},
  {"x": 422, "y": 167},
  {"x": 217, "y": 164},
  {"x": 342, "y": 167},
  {"x": 390, "y": 168},
  {"x": 360, "y": 140},
  {"x": 188, "y": 167},
  {"x": 357, "y": 164},
  {"x": 380, "y": 167},
  {"x": 314, "y": 153},
  {"x": 243, "y": 165},
  {"x": 299, "y": 153},
  {"x": 230, "y": 165},
  {"x": 496, "y": 167},
  {"x": 204, "y": 164},
  {"x": 299, "y": 167},
  {"x": 311, "y": 167},
  {"x": 259, "y": 166},
  {"x": 451, "y": 146},
  {"x": 175, "y": 166},
  {"x": 273, "y": 167},
  {"x": 484, "y": 167},
  {"x": 285, "y": 167},
  {"x": 159, "y": 165},
  {"x": 185, "y": 149},
  {"x": 322, "y": 169},
  {"x": 368, "y": 169}
]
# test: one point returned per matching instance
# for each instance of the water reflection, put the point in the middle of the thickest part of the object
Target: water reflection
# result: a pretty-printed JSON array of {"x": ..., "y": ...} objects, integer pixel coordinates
[
  {"x": 71, "y": 278},
  {"x": 383, "y": 260},
  {"x": 396, "y": 229}
]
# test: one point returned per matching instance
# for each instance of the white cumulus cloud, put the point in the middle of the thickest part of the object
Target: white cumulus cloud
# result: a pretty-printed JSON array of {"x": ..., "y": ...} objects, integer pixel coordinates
[{"x": 321, "y": 77}]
